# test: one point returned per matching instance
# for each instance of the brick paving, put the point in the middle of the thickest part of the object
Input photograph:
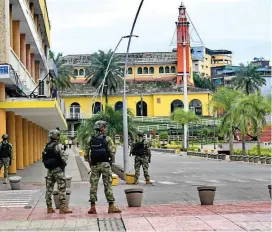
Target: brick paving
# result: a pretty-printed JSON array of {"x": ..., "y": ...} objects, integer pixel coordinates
[{"x": 246, "y": 216}]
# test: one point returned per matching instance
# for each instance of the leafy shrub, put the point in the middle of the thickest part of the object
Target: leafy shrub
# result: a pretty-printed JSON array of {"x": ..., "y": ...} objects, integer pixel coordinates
[
  {"x": 163, "y": 135},
  {"x": 170, "y": 146},
  {"x": 237, "y": 151},
  {"x": 193, "y": 148}
]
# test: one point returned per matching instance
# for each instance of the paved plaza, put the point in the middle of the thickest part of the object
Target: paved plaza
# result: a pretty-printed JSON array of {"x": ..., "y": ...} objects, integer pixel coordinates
[{"x": 242, "y": 200}]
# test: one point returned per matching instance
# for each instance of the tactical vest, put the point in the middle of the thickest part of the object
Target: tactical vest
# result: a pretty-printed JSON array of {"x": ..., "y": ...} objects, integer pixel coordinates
[
  {"x": 51, "y": 159},
  {"x": 5, "y": 151},
  {"x": 99, "y": 149},
  {"x": 139, "y": 149}
]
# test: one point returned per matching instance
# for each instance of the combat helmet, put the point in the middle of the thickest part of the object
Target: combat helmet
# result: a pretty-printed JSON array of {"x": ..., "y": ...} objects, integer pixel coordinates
[
  {"x": 53, "y": 134},
  {"x": 99, "y": 124},
  {"x": 4, "y": 136}
]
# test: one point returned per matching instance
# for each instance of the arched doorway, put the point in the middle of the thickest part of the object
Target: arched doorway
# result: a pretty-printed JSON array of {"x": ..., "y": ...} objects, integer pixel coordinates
[
  {"x": 118, "y": 106},
  {"x": 196, "y": 105},
  {"x": 176, "y": 104},
  {"x": 96, "y": 107},
  {"x": 75, "y": 110},
  {"x": 141, "y": 108}
]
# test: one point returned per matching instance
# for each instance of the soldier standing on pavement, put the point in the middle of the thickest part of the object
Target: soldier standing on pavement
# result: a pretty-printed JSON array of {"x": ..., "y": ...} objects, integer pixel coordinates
[
  {"x": 55, "y": 160},
  {"x": 141, "y": 151},
  {"x": 6, "y": 156},
  {"x": 99, "y": 154}
]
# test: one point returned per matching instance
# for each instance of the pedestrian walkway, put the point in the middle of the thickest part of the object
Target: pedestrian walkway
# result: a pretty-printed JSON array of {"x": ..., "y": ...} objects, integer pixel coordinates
[{"x": 18, "y": 198}]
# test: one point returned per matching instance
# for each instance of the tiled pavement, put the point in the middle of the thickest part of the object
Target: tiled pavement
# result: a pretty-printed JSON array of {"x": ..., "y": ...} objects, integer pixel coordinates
[{"x": 248, "y": 216}]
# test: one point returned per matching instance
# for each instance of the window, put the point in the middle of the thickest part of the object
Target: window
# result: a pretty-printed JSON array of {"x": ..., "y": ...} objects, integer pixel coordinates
[
  {"x": 41, "y": 87},
  {"x": 159, "y": 100},
  {"x": 196, "y": 64},
  {"x": 141, "y": 108},
  {"x": 140, "y": 71},
  {"x": 75, "y": 110},
  {"x": 196, "y": 106},
  {"x": 118, "y": 106},
  {"x": 81, "y": 72},
  {"x": 167, "y": 70},
  {"x": 145, "y": 70},
  {"x": 75, "y": 72},
  {"x": 161, "y": 70},
  {"x": 176, "y": 104},
  {"x": 151, "y": 70},
  {"x": 173, "y": 69},
  {"x": 130, "y": 71}
]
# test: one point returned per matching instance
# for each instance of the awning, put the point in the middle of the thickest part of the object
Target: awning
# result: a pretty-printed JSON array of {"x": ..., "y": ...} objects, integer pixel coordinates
[{"x": 43, "y": 112}]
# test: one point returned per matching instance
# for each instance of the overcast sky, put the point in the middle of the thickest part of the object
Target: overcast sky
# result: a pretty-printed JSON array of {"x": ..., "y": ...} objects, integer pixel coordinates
[{"x": 85, "y": 26}]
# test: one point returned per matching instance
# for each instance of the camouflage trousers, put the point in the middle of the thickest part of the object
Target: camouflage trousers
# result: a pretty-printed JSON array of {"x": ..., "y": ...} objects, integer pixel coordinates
[
  {"x": 138, "y": 162},
  {"x": 103, "y": 169},
  {"x": 5, "y": 162},
  {"x": 53, "y": 176}
]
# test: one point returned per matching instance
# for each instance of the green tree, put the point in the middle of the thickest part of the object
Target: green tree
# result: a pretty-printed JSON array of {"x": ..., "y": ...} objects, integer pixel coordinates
[
  {"x": 203, "y": 82},
  {"x": 114, "y": 121},
  {"x": 223, "y": 100},
  {"x": 257, "y": 107},
  {"x": 182, "y": 117},
  {"x": 96, "y": 72},
  {"x": 64, "y": 73},
  {"x": 248, "y": 79}
]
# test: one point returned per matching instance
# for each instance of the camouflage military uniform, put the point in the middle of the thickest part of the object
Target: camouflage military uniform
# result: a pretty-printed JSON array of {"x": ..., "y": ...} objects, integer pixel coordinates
[
  {"x": 6, "y": 162},
  {"x": 56, "y": 175},
  {"x": 99, "y": 169},
  {"x": 144, "y": 161}
]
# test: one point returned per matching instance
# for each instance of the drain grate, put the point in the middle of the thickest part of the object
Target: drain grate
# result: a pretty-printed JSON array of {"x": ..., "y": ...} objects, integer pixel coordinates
[{"x": 110, "y": 224}]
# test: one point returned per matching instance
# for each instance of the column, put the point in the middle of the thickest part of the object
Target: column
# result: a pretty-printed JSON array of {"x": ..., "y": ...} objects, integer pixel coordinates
[
  {"x": 28, "y": 58},
  {"x": 19, "y": 142},
  {"x": 36, "y": 21},
  {"x": 12, "y": 139},
  {"x": 34, "y": 143},
  {"x": 31, "y": 6},
  {"x": 16, "y": 37},
  {"x": 32, "y": 65},
  {"x": 37, "y": 71},
  {"x": 4, "y": 32},
  {"x": 25, "y": 143},
  {"x": 30, "y": 142},
  {"x": 2, "y": 116},
  {"x": 23, "y": 49},
  {"x": 10, "y": 26}
]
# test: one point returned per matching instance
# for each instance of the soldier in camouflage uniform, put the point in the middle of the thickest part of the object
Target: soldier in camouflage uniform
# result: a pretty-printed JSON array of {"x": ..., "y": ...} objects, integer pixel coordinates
[
  {"x": 141, "y": 151},
  {"x": 55, "y": 160},
  {"x": 100, "y": 152},
  {"x": 6, "y": 156}
]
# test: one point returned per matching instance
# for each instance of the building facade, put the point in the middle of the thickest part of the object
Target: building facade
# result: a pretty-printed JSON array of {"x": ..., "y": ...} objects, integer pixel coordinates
[{"x": 26, "y": 110}]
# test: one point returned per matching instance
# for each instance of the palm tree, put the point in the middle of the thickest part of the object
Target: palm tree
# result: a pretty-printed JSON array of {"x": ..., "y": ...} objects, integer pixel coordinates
[
  {"x": 203, "y": 82},
  {"x": 96, "y": 72},
  {"x": 248, "y": 79},
  {"x": 114, "y": 121},
  {"x": 223, "y": 100},
  {"x": 183, "y": 117},
  {"x": 258, "y": 107},
  {"x": 64, "y": 73}
]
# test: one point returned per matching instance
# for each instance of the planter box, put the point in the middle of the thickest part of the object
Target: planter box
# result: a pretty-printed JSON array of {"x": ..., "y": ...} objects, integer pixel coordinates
[
  {"x": 219, "y": 156},
  {"x": 173, "y": 151},
  {"x": 68, "y": 181},
  {"x": 15, "y": 182},
  {"x": 56, "y": 198},
  {"x": 263, "y": 159},
  {"x": 223, "y": 156},
  {"x": 231, "y": 157},
  {"x": 245, "y": 158},
  {"x": 268, "y": 160},
  {"x": 251, "y": 159},
  {"x": 206, "y": 194},
  {"x": 134, "y": 197},
  {"x": 256, "y": 159},
  {"x": 240, "y": 158},
  {"x": 215, "y": 156}
]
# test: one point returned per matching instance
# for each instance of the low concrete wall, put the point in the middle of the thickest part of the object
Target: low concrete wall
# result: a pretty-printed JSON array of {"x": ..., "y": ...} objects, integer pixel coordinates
[{"x": 173, "y": 151}]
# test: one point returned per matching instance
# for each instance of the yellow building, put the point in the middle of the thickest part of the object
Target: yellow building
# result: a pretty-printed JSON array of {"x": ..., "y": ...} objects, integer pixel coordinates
[{"x": 27, "y": 110}]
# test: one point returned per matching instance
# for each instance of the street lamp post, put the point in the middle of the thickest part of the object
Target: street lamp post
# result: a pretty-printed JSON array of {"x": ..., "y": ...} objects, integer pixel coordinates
[
  {"x": 186, "y": 108},
  {"x": 125, "y": 121},
  {"x": 107, "y": 69},
  {"x": 214, "y": 132}
]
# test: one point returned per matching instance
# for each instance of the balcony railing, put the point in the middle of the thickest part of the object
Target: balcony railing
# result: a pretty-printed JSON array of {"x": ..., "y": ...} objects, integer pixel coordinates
[{"x": 28, "y": 84}]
